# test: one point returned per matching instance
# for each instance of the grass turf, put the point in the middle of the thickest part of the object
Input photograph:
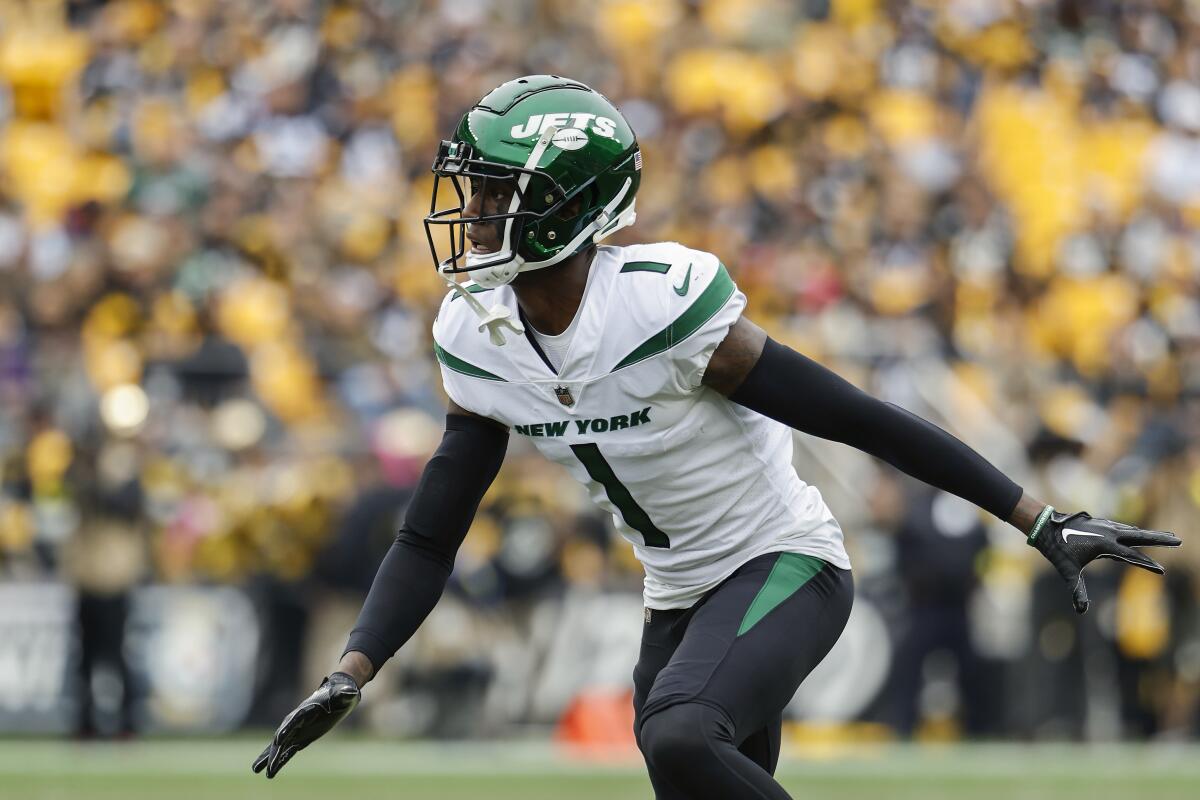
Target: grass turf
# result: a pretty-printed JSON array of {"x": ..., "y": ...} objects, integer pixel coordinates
[{"x": 210, "y": 769}]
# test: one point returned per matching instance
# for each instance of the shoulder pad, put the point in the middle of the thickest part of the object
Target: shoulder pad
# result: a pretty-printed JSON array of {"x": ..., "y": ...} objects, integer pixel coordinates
[
  {"x": 457, "y": 341},
  {"x": 670, "y": 291}
]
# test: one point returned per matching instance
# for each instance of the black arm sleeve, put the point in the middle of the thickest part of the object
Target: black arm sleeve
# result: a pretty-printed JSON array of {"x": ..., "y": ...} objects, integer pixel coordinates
[
  {"x": 797, "y": 391},
  {"x": 414, "y": 571}
]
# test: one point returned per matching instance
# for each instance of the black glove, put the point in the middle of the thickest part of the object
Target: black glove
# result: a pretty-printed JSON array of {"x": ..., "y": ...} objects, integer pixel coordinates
[
  {"x": 334, "y": 699},
  {"x": 1072, "y": 542}
]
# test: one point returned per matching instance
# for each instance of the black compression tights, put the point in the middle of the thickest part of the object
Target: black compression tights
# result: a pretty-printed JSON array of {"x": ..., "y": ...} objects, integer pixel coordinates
[
  {"x": 711, "y": 682},
  {"x": 691, "y": 754}
]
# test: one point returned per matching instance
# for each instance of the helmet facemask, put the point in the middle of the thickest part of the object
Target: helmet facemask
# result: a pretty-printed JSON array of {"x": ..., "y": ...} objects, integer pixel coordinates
[
  {"x": 535, "y": 197},
  {"x": 534, "y": 233}
]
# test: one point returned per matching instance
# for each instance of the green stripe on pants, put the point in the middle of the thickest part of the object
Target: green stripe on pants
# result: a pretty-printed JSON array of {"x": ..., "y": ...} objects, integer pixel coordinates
[{"x": 790, "y": 572}]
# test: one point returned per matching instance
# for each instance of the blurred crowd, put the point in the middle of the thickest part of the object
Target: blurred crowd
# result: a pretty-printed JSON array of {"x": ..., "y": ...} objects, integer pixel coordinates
[{"x": 215, "y": 291}]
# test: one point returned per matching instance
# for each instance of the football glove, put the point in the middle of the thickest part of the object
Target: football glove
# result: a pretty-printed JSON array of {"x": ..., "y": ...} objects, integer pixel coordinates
[
  {"x": 327, "y": 706},
  {"x": 1071, "y": 542}
]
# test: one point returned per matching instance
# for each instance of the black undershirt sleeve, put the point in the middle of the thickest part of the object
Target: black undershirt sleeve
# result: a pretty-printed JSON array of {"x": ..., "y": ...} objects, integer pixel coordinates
[
  {"x": 797, "y": 391},
  {"x": 414, "y": 571}
]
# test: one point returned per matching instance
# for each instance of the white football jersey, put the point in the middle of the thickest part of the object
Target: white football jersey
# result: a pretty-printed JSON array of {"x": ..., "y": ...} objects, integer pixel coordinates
[{"x": 699, "y": 484}]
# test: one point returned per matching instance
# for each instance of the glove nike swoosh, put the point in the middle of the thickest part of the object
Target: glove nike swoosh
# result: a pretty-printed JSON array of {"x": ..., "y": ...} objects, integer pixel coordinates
[{"x": 1073, "y": 532}]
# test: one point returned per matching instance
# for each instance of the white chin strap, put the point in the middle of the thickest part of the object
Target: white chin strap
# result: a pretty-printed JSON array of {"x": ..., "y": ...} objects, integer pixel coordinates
[{"x": 493, "y": 276}]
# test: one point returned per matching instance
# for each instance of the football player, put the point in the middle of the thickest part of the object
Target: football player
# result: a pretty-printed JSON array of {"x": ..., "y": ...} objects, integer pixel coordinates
[{"x": 635, "y": 368}]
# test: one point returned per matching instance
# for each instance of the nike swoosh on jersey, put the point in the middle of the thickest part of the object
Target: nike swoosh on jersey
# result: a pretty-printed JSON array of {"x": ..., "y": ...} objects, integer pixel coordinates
[
  {"x": 682, "y": 289},
  {"x": 1068, "y": 531}
]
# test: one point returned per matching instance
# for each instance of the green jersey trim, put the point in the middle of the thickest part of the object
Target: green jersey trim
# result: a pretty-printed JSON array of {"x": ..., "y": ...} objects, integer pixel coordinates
[
  {"x": 790, "y": 573},
  {"x": 474, "y": 288},
  {"x": 710, "y": 301},
  {"x": 646, "y": 266},
  {"x": 453, "y": 362}
]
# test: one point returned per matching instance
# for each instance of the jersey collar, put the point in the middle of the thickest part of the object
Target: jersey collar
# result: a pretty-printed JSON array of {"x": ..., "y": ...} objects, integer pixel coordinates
[{"x": 578, "y": 363}]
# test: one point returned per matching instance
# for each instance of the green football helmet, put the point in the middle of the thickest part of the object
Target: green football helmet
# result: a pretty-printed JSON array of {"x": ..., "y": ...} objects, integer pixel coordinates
[{"x": 552, "y": 141}]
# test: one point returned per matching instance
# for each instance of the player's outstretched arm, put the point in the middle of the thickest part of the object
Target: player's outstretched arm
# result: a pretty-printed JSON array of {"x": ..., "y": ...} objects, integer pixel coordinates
[
  {"x": 410, "y": 579},
  {"x": 776, "y": 381}
]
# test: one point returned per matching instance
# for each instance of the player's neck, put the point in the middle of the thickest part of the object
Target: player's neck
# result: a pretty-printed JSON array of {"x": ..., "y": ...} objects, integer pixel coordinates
[{"x": 549, "y": 298}]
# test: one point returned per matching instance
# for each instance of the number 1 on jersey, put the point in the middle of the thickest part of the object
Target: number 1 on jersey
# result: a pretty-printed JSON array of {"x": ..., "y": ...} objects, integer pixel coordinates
[{"x": 635, "y": 516}]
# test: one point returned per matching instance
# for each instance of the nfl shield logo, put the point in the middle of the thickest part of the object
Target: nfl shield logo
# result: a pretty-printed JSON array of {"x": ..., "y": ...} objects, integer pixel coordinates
[{"x": 564, "y": 395}]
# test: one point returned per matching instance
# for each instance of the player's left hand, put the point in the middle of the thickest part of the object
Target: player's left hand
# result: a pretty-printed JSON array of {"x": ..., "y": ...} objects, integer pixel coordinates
[
  {"x": 1072, "y": 541},
  {"x": 327, "y": 706}
]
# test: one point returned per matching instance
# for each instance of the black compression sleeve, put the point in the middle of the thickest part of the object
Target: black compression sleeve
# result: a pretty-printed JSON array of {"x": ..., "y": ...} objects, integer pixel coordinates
[
  {"x": 414, "y": 571},
  {"x": 797, "y": 391}
]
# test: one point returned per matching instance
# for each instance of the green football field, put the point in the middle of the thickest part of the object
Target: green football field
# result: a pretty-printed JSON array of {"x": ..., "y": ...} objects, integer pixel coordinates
[{"x": 210, "y": 769}]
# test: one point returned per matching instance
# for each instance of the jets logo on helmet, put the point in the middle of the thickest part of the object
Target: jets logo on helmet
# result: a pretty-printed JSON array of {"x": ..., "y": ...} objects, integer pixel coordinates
[
  {"x": 601, "y": 126},
  {"x": 572, "y": 165}
]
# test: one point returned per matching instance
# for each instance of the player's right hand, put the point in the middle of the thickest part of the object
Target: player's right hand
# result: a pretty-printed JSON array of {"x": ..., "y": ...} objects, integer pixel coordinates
[
  {"x": 1072, "y": 541},
  {"x": 327, "y": 706}
]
